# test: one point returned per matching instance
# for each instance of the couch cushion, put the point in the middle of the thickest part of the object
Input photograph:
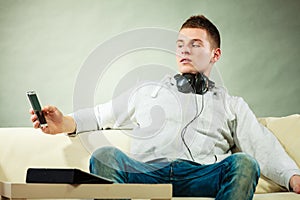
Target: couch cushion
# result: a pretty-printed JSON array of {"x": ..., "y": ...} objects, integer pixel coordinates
[
  {"x": 287, "y": 130},
  {"x": 21, "y": 148}
]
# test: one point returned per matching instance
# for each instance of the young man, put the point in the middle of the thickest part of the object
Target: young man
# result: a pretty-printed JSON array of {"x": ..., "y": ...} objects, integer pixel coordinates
[{"x": 194, "y": 149}]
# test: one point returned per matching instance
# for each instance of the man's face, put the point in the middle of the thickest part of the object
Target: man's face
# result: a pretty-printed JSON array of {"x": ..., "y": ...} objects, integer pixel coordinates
[{"x": 193, "y": 51}]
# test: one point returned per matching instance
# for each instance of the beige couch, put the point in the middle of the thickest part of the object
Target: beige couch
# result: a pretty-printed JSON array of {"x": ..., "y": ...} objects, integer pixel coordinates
[{"x": 21, "y": 148}]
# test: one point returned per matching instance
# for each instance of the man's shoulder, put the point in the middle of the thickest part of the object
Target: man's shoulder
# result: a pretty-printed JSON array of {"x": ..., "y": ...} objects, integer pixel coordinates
[{"x": 222, "y": 92}]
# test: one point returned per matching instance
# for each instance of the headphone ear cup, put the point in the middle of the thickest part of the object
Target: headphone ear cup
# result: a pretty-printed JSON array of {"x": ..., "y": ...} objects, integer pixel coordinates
[
  {"x": 183, "y": 83},
  {"x": 201, "y": 84},
  {"x": 198, "y": 84}
]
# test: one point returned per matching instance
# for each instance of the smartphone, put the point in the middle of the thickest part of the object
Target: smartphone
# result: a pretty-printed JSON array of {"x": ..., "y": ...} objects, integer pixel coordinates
[{"x": 36, "y": 106}]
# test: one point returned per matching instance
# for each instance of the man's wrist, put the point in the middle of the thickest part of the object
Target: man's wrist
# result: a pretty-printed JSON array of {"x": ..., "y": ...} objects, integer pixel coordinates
[{"x": 69, "y": 125}]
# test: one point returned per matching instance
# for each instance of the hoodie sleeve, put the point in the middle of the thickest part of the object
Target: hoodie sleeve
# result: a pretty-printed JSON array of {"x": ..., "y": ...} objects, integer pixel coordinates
[
  {"x": 256, "y": 140},
  {"x": 115, "y": 114}
]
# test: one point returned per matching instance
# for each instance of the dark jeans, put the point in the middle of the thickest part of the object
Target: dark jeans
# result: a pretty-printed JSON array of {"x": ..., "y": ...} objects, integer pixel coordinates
[{"x": 235, "y": 177}]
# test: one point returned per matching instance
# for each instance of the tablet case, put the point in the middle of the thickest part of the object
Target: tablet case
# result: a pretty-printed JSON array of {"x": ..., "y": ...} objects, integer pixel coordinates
[{"x": 70, "y": 176}]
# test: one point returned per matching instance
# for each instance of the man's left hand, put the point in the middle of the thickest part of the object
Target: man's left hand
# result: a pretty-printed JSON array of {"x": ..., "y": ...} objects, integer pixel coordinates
[{"x": 295, "y": 183}]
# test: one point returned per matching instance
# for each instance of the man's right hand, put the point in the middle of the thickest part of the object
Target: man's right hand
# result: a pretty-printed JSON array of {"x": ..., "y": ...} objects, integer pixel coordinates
[{"x": 57, "y": 122}]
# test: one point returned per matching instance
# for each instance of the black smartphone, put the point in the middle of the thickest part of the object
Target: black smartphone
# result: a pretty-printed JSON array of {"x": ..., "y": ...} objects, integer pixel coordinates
[{"x": 36, "y": 106}]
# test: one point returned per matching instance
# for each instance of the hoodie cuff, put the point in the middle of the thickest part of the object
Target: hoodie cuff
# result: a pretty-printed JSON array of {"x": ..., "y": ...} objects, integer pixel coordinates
[{"x": 85, "y": 120}]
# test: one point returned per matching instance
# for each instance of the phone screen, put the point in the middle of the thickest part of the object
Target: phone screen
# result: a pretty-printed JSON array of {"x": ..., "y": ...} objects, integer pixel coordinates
[
  {"x": 37, "y": 107},
  {"x": 34, "y": 101}
]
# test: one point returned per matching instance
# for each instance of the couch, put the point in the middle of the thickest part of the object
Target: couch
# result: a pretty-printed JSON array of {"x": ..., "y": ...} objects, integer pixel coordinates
[{"x": 21, "y": 148}]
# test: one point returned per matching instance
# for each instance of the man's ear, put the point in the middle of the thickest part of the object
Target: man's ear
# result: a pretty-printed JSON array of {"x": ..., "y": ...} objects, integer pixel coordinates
[{"x": 216, "y": 55}]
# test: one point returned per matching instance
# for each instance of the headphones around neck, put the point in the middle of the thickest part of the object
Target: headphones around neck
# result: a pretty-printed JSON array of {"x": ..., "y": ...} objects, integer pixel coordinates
[{"x": 195, "y": 83}]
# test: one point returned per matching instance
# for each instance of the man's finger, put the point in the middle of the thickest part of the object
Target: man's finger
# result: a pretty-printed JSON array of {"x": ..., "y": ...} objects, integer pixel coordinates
[
  {"x": 31, "y": 111},
  {"x": 46, "y": 130},
  {"x": 49, "y": 109},
  {"x": 34, "y": 118},
  {"x": 36, "y": 124},
  {"x": 297, "y": 189}
]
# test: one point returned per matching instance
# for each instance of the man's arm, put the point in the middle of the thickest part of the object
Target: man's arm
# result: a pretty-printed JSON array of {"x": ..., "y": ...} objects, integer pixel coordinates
[
  {"x": 113, "y": 114},
  {"x": 256, "y": 140},
  {"x": 116, "y": 113}
]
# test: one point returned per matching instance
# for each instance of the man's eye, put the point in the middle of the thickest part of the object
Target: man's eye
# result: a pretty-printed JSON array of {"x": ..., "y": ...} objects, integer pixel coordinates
[
  {"x": 179, "y": 45},
  {"x": 195, "y": 45}
]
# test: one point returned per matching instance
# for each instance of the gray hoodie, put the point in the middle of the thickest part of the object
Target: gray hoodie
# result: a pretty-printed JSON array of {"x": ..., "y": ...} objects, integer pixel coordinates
[{"x": 166, "y": 124}]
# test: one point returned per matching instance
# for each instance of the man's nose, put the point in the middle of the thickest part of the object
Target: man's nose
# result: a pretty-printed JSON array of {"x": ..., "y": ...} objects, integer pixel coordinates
[{"x": 185, "y": 50}]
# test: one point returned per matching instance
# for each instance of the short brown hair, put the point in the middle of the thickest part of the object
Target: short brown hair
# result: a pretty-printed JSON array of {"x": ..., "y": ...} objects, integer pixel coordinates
[{"x": 199, "y": 21}]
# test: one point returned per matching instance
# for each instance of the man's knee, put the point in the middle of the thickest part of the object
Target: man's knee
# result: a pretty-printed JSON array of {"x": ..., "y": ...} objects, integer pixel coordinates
[
  {"x": 105, "y": 153},
  {"x": 245, "y": 164},
  {"x": 104, "y": 156},
  {"x": 108, "y": 162},
  {"x": 239, "y": 177}
]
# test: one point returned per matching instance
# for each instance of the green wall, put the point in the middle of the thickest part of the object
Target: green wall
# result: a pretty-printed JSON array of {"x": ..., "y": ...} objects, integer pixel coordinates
[{"x": 43, "y": 44}]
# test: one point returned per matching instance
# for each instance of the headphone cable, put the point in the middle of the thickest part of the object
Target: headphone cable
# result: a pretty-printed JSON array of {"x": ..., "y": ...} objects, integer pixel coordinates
[{"x": 183, "y": 132}]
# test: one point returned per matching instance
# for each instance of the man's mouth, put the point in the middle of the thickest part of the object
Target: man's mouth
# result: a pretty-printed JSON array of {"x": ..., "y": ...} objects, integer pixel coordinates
[{"x": 185, "y": 60}]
